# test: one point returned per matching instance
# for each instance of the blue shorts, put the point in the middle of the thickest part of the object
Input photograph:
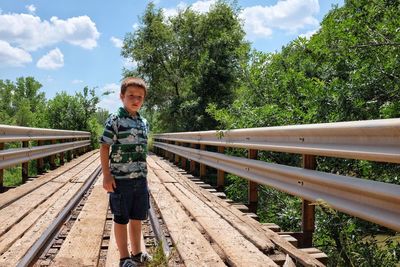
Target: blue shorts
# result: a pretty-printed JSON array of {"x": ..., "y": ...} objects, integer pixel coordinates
[{"x": 130, "y": 200}]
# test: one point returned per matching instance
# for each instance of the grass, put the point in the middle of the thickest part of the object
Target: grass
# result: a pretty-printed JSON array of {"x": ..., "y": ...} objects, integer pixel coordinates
[
  {"x": 159, "y": 258},
  {"x": 12, "y": 177}
]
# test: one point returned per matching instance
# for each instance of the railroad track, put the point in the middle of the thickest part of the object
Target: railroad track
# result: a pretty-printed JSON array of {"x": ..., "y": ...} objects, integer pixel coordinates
[
  {"x": 76, "y": 184},
  {"x": 63, "y": 219}
]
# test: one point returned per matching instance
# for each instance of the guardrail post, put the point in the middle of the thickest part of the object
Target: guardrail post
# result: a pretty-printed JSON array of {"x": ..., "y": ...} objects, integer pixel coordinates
[
  {"x": 308, "y": 210},
  {"x": 252, "y": 186},
  {"x": 53, "y": 158},
  {"x": 220, "y": 173},
  {"x": 1, "y": 172},
  {"x": 177, "y": 157},
  {"x": 203, "y": 167},
  {"x": 170, "y": 154},
  {"x": 40, "y": 161},
  {"x": 69, "y": 152},
  {"x": 192, "y": 162},
  {"x": 183, "y": 160},
  {"x": 25, "y": 165},
  {"x": 62, "y": 155}
]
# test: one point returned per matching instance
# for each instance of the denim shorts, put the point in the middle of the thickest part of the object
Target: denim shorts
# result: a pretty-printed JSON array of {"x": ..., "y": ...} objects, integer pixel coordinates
[{"x": 130, "y": 200}]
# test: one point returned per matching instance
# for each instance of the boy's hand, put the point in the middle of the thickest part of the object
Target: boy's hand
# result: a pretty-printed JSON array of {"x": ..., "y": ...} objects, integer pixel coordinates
[{"x": 109, "y": 183}]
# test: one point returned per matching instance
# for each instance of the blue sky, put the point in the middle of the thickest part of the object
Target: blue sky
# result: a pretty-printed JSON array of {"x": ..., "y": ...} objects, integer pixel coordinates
[{"x": 67, "y": 45}]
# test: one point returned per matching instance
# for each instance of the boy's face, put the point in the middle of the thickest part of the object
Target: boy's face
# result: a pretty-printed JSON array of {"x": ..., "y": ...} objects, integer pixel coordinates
[{"x": 133, "y": 99}]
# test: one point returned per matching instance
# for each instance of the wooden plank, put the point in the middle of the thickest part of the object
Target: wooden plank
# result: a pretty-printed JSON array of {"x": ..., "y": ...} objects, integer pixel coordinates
[
  {"x": 20, "y": 208},
  {"x": 18, "y": 230},
  {"x": 239, "y": 251},
  {"x": 113, "y": 253},
  {"x": 13, "y": 213},
  {"x": 193, "y": 248},
  {"x": 21, "y": 245},
  {"x": 256, "y": 235},
  {"x": 235, "y": 215},
  {"x": 18, "y": 192},
  {"x": 83, "y": 243}
]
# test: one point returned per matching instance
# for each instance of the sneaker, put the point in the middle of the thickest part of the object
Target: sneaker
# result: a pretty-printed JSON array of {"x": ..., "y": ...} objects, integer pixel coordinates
[
  {"x": 127, "y": 262},
  {"x": 141, "y": 258}
]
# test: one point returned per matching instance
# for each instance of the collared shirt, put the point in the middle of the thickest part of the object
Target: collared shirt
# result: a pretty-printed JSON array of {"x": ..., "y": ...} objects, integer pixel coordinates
[{"x": 127, "y": 136}]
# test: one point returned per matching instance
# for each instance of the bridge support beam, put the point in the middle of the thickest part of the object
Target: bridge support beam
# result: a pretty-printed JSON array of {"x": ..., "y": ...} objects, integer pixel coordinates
[
  {"x": 192, "y": 167},
  {"x": 53, "y": 158},
  {"x": 177, "y": 157},
  {"x": 25, "y": 165},
  {"x": 252, "y": 186},
  {"x": 308, "y": 210},
  {"x": 1, "y": 171},
  {"x": 203, "y": 167},
  {"x": 40, "y": 161},
  {"x": 220, "y": 173}
]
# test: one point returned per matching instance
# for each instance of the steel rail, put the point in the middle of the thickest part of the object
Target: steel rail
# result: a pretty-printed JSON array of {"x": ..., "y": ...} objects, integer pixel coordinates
[
  {"x": 11, "y": 157},
  {"x": 370, "y": 200},
  {"x": 18, "y": 130},
  {"x": 376, "y": 140},
  {"x": 33, "y": 252},
  {"x": 158, "y": 231},
  {"x": 18, "y": 138}
]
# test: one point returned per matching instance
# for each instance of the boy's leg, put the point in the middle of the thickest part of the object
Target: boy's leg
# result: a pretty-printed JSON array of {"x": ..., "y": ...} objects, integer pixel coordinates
[
  {"x": 121, "y": 238},
  {"x": 135, "y": 236}
]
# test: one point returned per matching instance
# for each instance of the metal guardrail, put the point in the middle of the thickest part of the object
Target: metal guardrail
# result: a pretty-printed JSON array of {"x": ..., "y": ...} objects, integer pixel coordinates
[
  {"x": 70, "y": 140},
  {"x": 11, "y": 157},
  {"x": 376, "y": 140},
  {"x": 16, "y": 133}
]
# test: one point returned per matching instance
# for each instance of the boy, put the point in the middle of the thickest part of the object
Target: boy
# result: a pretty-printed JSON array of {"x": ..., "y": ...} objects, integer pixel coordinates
[{"x": 125, "y": 170}]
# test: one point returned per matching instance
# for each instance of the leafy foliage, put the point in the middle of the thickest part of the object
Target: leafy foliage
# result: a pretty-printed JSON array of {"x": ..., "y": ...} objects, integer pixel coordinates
[{"x": 189, "y": 61}]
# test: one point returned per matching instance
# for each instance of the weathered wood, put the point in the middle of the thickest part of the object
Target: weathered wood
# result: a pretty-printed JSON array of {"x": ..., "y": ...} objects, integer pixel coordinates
[
  {"x": 192, "y": 168},
  {"x": 236, "y": 247},
  {"x": 59, "y": 199},
  {"x": 266, "y": 233},
  {"x": 189, "y": 242},
  {"x": 52, "y": 158},
  {"x": 203, "y": 167},
  {"x": 308, "y": 210},
  {"x": 220, "y": 173},
  {"x": 83, "y": 243},
  {"x": 252, "y": 186},
  {"x": 289, "y": 262},
  {"x": 24, "y": 189},
  {"x": 1, "y": 172},
  {"x": 13, "y": 213},
  {"x": 113, "y": 253},
  {"x": 40, "y": 161},
  {"x": 25, "y": 165}
]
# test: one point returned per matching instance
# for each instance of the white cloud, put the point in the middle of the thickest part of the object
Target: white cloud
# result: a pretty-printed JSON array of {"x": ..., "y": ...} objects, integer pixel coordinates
[
  {"x": 30, "y": 33},
  {"x": 76, "y": 81},
  {"x": 118, "y": 43},
  {"x": 31, "y": 9},
  {"x": 135, "y": 26},
  {"x": 289, "y": 15},
  {"x": 199, "y": 6},
  {"x": 308, "y": 34},
  {"x": 112, "y": 101},
  {"x": 13, "y": 56},
  {"x": 202, "y": 6},
  {"x": 52, "y": 60},
  {"x": 129, "y": 64}
]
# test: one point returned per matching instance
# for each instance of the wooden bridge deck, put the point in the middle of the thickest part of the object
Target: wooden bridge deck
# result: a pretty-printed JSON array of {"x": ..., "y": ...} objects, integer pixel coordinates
[{"x": 206, "y": 230}]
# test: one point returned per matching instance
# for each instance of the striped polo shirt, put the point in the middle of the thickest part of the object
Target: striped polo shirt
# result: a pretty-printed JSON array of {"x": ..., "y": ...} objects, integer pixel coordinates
[{"x": 127, "y": 136}]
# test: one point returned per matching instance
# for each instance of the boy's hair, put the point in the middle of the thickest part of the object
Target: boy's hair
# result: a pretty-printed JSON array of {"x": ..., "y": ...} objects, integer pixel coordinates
[{"x": 133, "y": 81}]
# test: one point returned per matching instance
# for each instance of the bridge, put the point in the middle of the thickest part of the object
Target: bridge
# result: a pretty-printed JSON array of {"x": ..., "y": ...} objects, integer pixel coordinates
[{"x": 61, "y": 217}]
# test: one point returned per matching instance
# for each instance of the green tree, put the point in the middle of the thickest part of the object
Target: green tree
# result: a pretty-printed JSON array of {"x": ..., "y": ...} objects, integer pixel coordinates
[{"x": 189, "y": 61}]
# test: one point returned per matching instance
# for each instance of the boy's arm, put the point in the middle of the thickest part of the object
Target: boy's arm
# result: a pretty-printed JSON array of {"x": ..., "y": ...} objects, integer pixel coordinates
[{"x": 108, "y": 179}]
